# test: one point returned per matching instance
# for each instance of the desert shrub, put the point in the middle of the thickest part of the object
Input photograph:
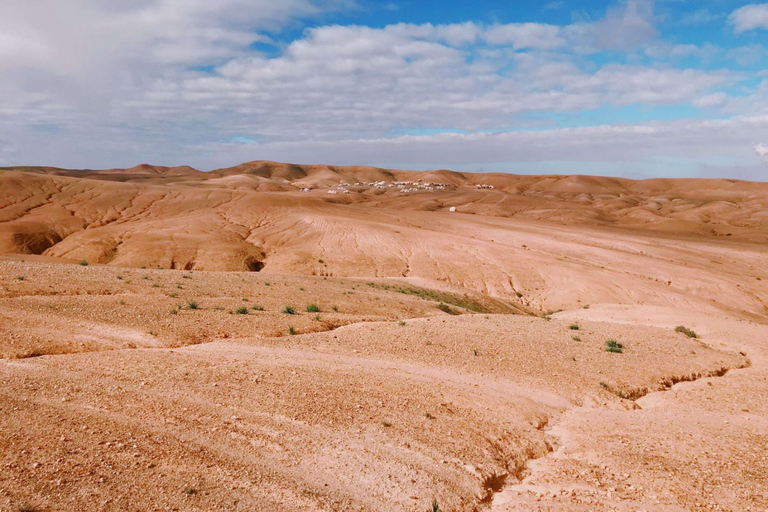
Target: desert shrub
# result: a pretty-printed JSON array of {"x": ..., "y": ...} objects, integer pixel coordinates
[
  {"x": 289, "y": 310},
  {"x": 573, "y": 327},
  {"x": 445, "y": 308},
  {"x": 242, "y": 311},
  {"x": 291, "y": 331},
  {"x": 20, "y": 278},
  {"x": 614, "y": 346},
  {"x": 82, "y": 263},
  {"x": 313, "y": 308},
  {"x": 335, "y": 308},
  {"x": 192, "y": 305},
  {"x": 435, "y": 507},
  {"x": 688, "y": 332},
  {"x": 576, "y": 338},
  {"x": 257, "y": 307}
]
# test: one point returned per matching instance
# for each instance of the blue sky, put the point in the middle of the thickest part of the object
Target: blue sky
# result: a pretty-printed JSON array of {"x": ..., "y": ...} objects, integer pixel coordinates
[{"x": 634, "y": 88}]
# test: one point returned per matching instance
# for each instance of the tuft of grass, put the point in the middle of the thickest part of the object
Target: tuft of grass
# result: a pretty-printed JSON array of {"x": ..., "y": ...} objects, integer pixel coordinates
[
  {"x": 335, "y": 308},
  {"x": 241, "y": 311},
  {"x": 445, "y": 308},
  {"x": 435, "y": 506},
  {"x": 120, "y": 278},
  {"x": 192, "y": 305},
  {"x": 401, "y": 323},
  {"x": 257, "y": 307},
  {"x": 574, "y": 327},
  {"x": 291, "y": 330},
  {"x": 614, "y": 347},
  {"x": 267, "y": 284},
  {"x": 187, "y": 276},
  {"x": 82, "y": 263},
  {"x": 190, "y": 490},
  {"x": 688, "y": 332},
  {"x": 313, "y": 308},
  {"x": 20, "y": 278},
  {"x": 122, "y": 302},
  {"x": 175, "y": 311},
  {"x": 576, "y": 338},
  {"x": 317, "y": 317},
  {"x": 289, "y": 310},
  {"x": 173, "y": 295},
  {"x": 178, "y": 285}
]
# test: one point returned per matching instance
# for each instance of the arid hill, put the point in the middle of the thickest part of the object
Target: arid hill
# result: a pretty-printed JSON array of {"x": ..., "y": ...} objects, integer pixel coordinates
[{"x": 290, "y": 337}]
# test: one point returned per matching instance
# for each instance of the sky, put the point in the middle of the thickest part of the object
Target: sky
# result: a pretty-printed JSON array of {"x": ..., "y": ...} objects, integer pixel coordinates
[{"x": 630, "y": 88}]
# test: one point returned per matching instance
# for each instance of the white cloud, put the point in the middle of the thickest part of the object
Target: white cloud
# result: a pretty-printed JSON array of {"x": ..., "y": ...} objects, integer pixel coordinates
[
  {"x": 104, "y": 83},
  {"x": 749, "y": 17},
  {"x": 762, "y": 151},
  {"x": 525, "y": 35}
]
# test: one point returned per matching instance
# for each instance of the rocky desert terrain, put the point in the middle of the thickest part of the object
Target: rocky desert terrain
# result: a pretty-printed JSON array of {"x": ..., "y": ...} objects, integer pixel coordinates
[{"x": 285, "y": 337}]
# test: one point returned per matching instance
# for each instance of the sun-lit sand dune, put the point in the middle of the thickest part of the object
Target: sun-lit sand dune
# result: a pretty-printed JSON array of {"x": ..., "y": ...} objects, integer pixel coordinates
[{"x": 281, "y": 337}]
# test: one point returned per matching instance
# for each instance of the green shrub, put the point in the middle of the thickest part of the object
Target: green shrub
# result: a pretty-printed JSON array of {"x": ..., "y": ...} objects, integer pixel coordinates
[
  {"x": 688, "y": 332},
  {"x": 291, "y": 331},
  {"x": 82, "y": 263},
  {"x": 313, "y": 308},
  {"x": 257, "y": 307},
  {"x": 192, "y": 305},
  {"x": 614, "y": 346},
  {"x": 289, "y": 310},
  {"x": 574, "y": 327},
  {"x": 242, "y": 311}
]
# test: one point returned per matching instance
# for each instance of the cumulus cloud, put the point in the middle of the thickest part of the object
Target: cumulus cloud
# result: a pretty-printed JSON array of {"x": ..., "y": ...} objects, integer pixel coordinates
[
  {"x": 107, "y": 83},
  {"x": 749, "y": 17},
  {"x": 762, "y": 152}
]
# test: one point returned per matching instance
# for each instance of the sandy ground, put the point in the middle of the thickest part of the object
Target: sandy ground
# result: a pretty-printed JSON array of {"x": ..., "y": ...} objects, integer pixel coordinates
[{"x": 377, "y": 356}]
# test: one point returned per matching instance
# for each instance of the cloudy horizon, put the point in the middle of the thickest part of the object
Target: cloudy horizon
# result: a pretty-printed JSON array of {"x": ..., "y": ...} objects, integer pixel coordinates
[{"x": 632, "y": 88}]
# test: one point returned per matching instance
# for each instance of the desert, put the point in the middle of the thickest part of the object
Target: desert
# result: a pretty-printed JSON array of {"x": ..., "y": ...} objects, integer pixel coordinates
[{"x": 241, "y": 339}]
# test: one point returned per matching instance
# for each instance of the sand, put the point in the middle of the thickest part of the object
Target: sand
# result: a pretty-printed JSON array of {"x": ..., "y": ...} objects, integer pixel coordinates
[{"x": 284, "y": 350}]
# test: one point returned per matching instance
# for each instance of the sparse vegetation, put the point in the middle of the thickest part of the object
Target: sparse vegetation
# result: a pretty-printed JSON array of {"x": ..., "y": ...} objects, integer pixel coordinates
[
  {"x": 192, "y": 305},
  {"x": 574, "y": 327},
  {"x": 614, "y": 347},
  {"x": 267, "y": 284},
  {"x": 291, "y": 330},
  {"x": 120, "y": 278},
  {"x": 335, "y": 308},
  {"x": 173, "y": 295},
  {"x": 241, "y": 311},
  {"x": 289, "y": 310},
  {"x": 20, "y": 278},
  {"x": 317, "y": 318},
  {"x": 435, "y": 506},
  {"x": 313, "y": 308},
  {"x": 402, "y": 323},
  {"x": 187, "y": 276},
  {"x": 445, "y": 308},
  {"x": 82, "y": 263},
  {"x": 385, "y": 423},
  {"x": 576, "y": 338},
  {"x": 257, "y": 307},
  {"x": 175, "y": 311},
  {"x": 178, "y": 285},
  {"x": 190, "y": 490},
  {"x": 688, "y": 332},
  {"x": 122, "y": 302}
]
